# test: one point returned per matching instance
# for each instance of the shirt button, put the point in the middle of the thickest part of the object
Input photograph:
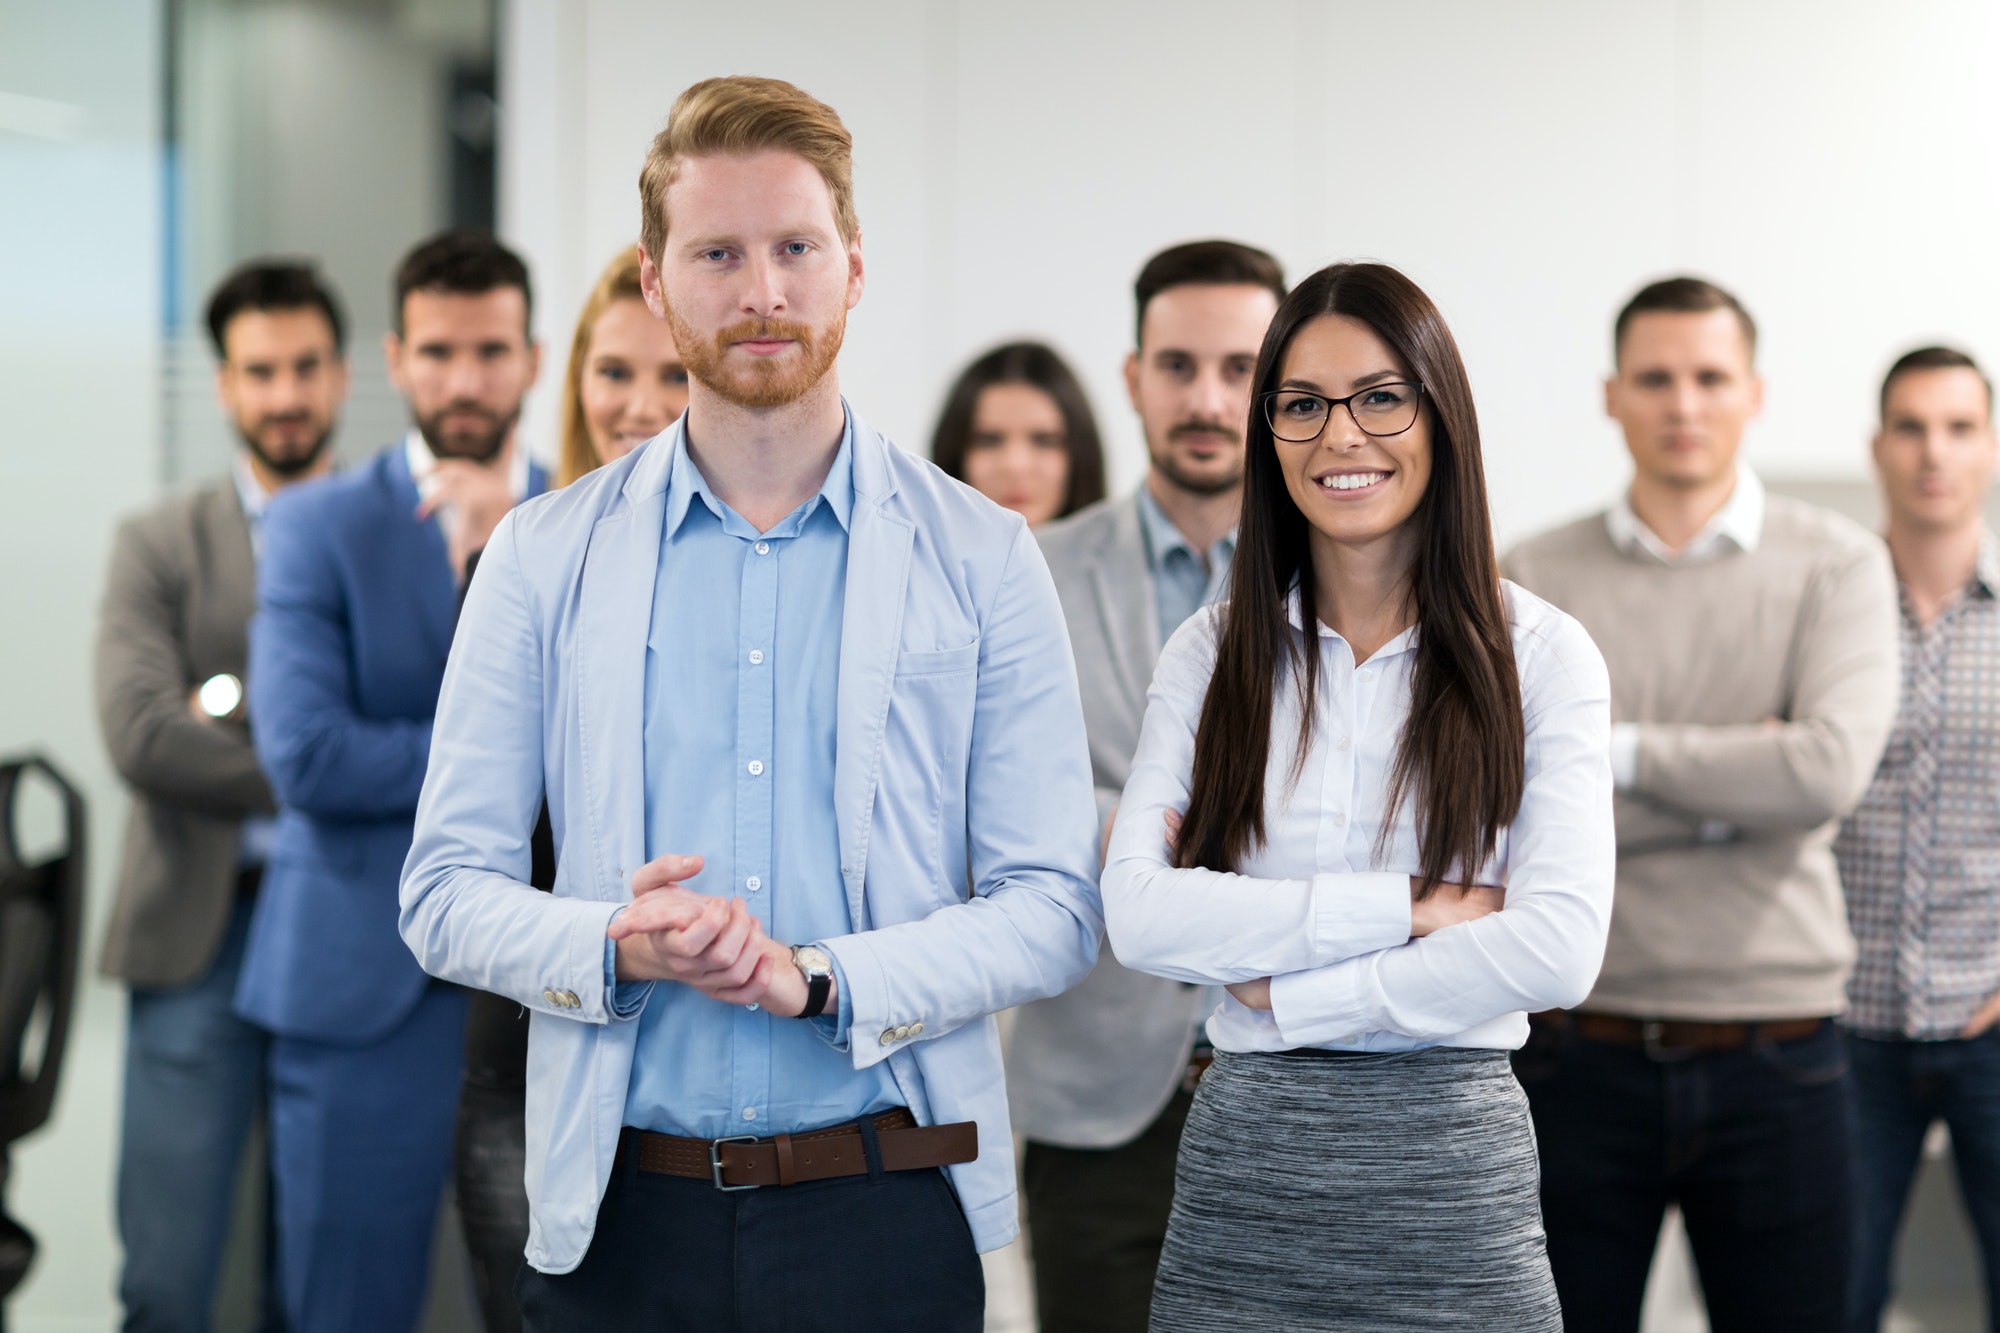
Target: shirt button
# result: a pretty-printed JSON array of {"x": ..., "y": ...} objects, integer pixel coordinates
[
  {"x": 756, "y": 768},
  {"x": 749, "y": 1113},
  {"x": 752, "y": 1006},
  {"x": 1366, "y": 673},
  {"x": 753, "y": 884},
  {"x": 756, "y": 657},
  {"x": 1340, "y": 819},
  {"x": 1346, "y": 744},
  {"x": 763, "y": 548}
]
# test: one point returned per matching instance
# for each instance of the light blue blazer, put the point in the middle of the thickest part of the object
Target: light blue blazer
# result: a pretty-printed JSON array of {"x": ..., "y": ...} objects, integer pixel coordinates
[{"x": 962, "y": 790}]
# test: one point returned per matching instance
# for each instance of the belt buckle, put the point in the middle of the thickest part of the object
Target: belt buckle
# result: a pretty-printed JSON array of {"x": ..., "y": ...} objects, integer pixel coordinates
[
  {"x": 1650, "y": 1032},
  {"x": 715, "y": 1161}
]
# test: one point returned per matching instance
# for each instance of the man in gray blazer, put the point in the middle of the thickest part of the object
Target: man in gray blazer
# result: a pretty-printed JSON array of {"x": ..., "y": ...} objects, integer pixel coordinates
[
  {"x": 170, "y": 660},
  {"x": 1100, "y": 1078}
]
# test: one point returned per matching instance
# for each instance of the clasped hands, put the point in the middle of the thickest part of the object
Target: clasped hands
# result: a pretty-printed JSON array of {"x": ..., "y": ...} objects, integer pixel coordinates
[
  {"x": 672, "y": 933},
  {"x": 1451, "y": 905}
]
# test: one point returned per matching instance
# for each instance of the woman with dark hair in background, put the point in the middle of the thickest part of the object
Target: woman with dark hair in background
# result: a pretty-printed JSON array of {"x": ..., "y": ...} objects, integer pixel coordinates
[
  {"x": 1372, "y": 797},
  {"x": 1017, "y": 428},
  {"x": 625, "y": 384}
]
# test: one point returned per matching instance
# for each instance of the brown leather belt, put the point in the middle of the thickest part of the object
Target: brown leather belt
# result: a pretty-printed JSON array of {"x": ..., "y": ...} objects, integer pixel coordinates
[
  {"x": 743, "y": 1162},
  {"x": 1668, "y": 1037}
]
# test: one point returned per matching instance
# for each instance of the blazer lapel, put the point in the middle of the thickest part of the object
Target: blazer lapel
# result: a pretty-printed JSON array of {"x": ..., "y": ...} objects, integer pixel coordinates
[
  {"x": 429, "y": 566},
  {"x": 1123, "y": 584},
  {"x": 871, "y": 634},
  {"x": 232, "y": 562},
  {"x": 608, "y": 659}
]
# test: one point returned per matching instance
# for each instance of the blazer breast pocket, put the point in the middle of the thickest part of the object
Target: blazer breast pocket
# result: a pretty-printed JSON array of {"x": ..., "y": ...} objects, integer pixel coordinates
[
  {"x": 944, "y": 662},
  {"x": 929, "y": 737}
]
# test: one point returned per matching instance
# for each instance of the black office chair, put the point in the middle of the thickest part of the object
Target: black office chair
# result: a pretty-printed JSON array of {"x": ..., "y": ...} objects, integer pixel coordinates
[{"x": 41, "y": 926}]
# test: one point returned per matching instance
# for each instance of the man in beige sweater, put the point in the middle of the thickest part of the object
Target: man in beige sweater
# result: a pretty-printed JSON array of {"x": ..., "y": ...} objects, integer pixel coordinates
[{"x": 1752, "y": 647}]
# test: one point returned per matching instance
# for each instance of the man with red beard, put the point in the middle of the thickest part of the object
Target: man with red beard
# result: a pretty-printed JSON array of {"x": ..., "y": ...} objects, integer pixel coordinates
[
  {"x": 805, "y": 715},
  {"x": 357, "y": 596}
]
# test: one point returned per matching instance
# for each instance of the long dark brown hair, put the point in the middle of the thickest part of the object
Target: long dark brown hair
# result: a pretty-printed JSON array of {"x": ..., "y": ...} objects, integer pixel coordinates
[
  {"x": 1038, "y": 366},
  {"x": 1461, "y": 760}
]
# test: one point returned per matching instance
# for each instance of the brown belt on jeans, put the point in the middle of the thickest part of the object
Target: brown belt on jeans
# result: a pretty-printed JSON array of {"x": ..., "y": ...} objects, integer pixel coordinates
[
  {"x": 823, "y": 1154},
  {"x": 1675, "y": 1035}
]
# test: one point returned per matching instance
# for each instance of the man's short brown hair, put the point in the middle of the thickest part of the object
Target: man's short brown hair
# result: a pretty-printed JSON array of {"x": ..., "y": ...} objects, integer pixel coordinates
[
  {"x": 1204, "y": 263},
  {"x": 1681, "y": 296},
  {"x": 1933, "y": 358},
  {"x": 738, "y": 115}
]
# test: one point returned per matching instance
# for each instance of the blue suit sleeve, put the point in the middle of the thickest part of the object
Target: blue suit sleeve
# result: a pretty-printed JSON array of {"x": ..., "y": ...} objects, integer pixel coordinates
[{"x": 322, "y": 756}]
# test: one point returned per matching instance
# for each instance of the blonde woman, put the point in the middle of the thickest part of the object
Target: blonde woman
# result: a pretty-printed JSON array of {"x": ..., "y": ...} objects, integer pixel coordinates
[{"x": 625, "y": 384}]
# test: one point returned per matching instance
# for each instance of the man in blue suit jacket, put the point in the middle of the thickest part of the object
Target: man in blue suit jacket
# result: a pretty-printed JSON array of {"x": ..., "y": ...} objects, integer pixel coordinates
[
  {"x": 808, "y": 726},
  {"x": 357, "y": 594}
]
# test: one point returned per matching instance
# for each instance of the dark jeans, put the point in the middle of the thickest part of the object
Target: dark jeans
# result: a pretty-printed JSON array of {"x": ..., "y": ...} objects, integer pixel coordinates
[
  {"x": 1756, "y": 1146},
  {"x": 1096, "y": 1220},
  {"x": 884, "y": 1253},
  {"x": 194, "y": 1083},
  {"x": 1902, "y": 1087},
  {"x": 488, "y": 1162}
]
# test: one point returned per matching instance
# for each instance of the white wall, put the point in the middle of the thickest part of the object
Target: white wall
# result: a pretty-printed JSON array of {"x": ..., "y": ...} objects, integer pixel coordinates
[
  {"x": 1529, "y": 163},
  {"x": 79, "y": 329}
]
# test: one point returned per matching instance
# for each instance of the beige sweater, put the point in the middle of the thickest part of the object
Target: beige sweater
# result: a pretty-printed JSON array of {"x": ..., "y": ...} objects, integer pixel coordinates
[{"x": 1803, "y": 630}]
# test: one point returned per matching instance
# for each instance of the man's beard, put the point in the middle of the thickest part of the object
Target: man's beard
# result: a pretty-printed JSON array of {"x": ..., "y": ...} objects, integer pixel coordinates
[
  {"x": 761, "y": 384},
  {"x": 478, "y": 446},
  {"x": 280, "y": 466},
  {"x": 1195, "y": 483}
]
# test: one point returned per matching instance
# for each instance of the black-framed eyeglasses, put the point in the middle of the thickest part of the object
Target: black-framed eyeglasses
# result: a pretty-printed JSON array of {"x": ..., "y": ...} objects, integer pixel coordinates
[{"x": 1298, "y": 417}]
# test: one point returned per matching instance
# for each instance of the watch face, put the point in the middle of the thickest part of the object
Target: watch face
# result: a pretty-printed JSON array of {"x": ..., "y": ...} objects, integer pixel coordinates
[
  {"x": 220, "y": 695},
  {"x": 812, "y": 960}
]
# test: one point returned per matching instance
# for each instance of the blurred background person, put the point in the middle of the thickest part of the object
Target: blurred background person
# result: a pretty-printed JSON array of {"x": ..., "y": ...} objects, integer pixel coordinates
[
  {"x": 1751, "y": 643},
  {"x": 624, "y": 384},
  {"x": 170, "y": 666},
  {"x": 1100, "y": 1079},
  {"x": 1917, "y": 855},
  {"x": 357, "y": 594},
  {"x": 1018, "y": 429}
]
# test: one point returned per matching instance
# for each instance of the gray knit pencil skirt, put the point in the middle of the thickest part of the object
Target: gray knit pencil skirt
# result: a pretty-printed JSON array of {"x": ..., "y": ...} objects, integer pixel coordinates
[{"x": 1377, "y": 1192}]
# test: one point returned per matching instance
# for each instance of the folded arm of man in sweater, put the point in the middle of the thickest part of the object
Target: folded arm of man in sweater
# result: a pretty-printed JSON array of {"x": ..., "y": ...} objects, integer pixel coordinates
[{"x": 1794, "y": 772}]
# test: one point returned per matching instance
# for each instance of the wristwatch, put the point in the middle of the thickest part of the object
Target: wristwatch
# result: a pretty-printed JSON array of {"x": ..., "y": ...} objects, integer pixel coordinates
[
  {"x": 220, "y": 696},
  {"x": 817, "y": 968}
]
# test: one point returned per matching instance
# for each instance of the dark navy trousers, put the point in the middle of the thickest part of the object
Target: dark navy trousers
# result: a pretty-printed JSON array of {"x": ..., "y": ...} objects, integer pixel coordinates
[
  {"x": 1903, "y": 1087},
  {"x": 361, "y": 1151},
  {"x": 885, "y": 1253},
  {"x": 1756, "y": 1145}
]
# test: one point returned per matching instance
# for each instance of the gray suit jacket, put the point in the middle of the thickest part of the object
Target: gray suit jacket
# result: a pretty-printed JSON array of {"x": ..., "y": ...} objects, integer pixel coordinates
[
  {"x": 182, "y": 587},
  {"x": 1093, "y": 1067}
]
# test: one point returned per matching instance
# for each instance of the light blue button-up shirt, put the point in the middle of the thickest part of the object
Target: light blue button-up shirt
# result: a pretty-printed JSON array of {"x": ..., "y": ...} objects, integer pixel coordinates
[
  {"x": 742, "y": 673},
  {"x": 1183, "y": 581}
]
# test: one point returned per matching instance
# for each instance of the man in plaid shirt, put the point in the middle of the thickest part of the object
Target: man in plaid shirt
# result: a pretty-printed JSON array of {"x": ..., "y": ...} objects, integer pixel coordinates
[{"x": 1920, "y": 857}]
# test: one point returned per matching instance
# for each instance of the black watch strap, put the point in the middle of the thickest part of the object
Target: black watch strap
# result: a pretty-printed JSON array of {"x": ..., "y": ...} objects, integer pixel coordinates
[{"x": 817, "y": 989}]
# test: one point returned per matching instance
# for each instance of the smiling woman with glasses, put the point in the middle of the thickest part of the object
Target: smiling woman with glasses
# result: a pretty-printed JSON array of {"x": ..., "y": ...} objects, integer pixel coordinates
[{"x": 1372, "y": 798}]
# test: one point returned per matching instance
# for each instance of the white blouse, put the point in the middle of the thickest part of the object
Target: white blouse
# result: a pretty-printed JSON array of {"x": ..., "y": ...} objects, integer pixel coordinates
[{"x": 1318, "y": 910}]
